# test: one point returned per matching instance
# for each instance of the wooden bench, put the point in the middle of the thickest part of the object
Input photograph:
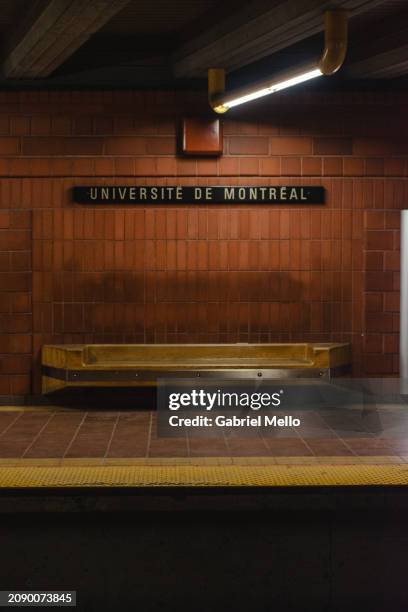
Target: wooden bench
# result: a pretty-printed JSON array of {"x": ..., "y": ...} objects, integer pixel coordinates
[{"x": 124, "y": 365}]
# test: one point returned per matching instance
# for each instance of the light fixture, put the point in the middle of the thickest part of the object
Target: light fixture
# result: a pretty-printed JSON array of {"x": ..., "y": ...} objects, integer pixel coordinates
[
  {"x": 279, "y": 83},
  {"x": 331, "y": 60}
]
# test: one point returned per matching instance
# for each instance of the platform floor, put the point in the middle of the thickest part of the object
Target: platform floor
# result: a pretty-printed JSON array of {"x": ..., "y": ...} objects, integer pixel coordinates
[{"x": 62, "y": 447}]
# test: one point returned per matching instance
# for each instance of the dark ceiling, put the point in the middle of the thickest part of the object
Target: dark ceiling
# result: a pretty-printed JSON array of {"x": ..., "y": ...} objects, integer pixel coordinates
[{"x": 171, "y": 43}]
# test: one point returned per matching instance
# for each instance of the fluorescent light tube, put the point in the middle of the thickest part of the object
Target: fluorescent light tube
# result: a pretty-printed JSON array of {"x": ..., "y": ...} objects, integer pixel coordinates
[{"x": 269, "y": 89}]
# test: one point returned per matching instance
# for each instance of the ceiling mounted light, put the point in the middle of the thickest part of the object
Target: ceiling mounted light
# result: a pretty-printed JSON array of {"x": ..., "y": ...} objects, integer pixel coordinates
[{"x": 332, "y": 58}]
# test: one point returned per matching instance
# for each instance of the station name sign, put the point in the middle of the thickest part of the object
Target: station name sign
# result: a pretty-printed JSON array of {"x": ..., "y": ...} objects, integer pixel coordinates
[{"x": 282, "y": 194}]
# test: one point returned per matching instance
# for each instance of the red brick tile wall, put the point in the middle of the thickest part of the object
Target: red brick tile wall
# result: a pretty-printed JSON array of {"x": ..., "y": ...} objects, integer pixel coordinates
[{"x": 240, "y": 273}]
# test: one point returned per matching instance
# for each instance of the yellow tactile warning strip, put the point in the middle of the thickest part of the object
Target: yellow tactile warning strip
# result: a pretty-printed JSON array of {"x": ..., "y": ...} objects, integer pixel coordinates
[{"x": 110, "y": 476}]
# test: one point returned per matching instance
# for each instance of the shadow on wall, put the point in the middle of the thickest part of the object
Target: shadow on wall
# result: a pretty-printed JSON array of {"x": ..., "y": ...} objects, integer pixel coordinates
[{"x": 179, "y": 302}]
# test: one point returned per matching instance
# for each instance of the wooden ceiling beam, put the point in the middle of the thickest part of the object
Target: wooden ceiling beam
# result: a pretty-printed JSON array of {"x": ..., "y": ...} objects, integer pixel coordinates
[
  {"x": 55, "y": 33},
  {"x": 258, "y": 30},
  {"x": 385, "y": 56},
  {"x": 386, "y": 65}
]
